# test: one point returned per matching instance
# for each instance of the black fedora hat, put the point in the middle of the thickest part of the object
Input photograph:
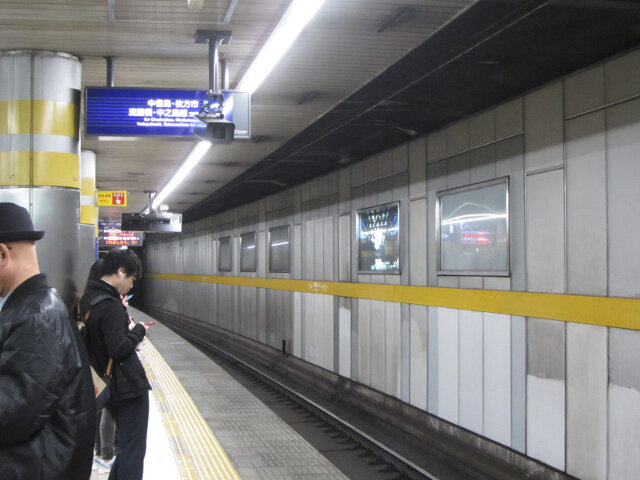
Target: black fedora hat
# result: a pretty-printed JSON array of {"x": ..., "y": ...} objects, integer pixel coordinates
[{"x": 15, "y": 224}]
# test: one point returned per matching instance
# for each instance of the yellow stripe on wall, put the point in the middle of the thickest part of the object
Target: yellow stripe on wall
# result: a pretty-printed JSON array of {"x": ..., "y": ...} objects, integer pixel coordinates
[
  {"x": 56, "y": 169},
  {"x": 14, "y": 168},
  {"x": 50, "y": 117},
  {"x": 15, "y": 117},
  {"x": 604, "y": 311}
]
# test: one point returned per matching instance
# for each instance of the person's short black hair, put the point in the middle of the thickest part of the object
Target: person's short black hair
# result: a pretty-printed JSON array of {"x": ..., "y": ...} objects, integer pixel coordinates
[{"x": 121, "y": 258}]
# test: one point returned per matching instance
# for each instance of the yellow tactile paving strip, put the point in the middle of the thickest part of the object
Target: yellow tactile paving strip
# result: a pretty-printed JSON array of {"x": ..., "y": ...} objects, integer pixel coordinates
[{"x": 198, "y": 453}]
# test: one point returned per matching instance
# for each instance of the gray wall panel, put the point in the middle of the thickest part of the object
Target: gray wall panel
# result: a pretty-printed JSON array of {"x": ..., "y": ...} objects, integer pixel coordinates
[
  {"x": 509, "y": 118},
  {"x": 458, "y": 171},
  {"x": 510, "y": 162},
  {"x": 344, "y": 249},
  {"x": 584, "y": 91},
  {"x": 586, "y": 205},
  {"x": 378, "y": 345},
  {"x": 344, "y": 190},
  {"x": 436, "y": 146},
  {"x": 385, "y": 190},
  {"x": 545, "y": 251},
  {"x": 518, "y": 383},
  {"x": 546, "y": 348},
  {"x": 623, "y": 144},
  {"x": 418, "y": 348},
  {"x": 457, "y": 137},
  {"x": 621, "y": 77},
  {"x": 416, "y": 230},
  {"x": 482, "y": 129},
  {"x": 482, "y": 164},
  {"x": 587, "y": 401},
  {"x": 393, "y": 349},
  {"x": 418, "y": 168},
  {"x": 624, "y": 351},
  {"x": 543, "y": 126},
  {"x": 363, "y": 351},
  {"x": 436, "y": 181},
  {"x": 471, "y": 371}
]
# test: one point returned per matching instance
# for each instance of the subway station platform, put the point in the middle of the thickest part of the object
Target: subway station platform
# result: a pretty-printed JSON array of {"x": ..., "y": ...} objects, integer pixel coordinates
[{"x": 204, "y": 425}]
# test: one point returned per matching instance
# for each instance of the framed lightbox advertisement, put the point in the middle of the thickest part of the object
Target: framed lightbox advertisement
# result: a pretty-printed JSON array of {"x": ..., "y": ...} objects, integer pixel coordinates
[
  {"x": 224, "y": 254},
  {"x": 248, "y": 252},
  {"x": 378, "y": 230},
  {"x": 473, "y": 229},
  {"x": 279, "y": 251}
]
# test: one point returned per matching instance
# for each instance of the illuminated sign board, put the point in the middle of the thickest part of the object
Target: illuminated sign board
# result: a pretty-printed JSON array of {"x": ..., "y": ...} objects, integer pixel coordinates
[
  {"x": 107, "y": 198},
  {"x": 110, "y": 235},
  {"x": 143, "y": 112},
  {"x": 379, "y": 239}
]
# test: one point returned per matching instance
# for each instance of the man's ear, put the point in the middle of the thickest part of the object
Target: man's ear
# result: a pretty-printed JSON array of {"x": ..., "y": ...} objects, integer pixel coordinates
[{"x": 4, "y": 253}]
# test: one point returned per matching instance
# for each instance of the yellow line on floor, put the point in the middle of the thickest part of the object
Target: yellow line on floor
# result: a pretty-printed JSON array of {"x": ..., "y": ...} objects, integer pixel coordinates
[{"x": 202, "y": 454}]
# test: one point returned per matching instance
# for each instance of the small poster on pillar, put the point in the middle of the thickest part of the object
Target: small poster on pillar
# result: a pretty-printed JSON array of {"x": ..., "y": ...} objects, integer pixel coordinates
[{"x": 109, "y": 198}]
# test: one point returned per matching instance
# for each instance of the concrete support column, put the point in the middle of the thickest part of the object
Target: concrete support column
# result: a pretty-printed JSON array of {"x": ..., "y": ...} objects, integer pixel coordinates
[
  {"x": 88, "y": 228},
  {"x": 40, "y": 153}
]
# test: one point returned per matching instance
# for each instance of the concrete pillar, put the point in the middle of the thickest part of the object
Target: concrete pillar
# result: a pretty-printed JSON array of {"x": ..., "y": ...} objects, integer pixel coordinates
[
  {"x": 88, "y": 228},
  {"x": 40, "y": 153}
]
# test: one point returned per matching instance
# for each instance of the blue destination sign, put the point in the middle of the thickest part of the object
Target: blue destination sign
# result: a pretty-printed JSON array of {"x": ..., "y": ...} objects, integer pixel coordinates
[{"x": 142, "y": 112}]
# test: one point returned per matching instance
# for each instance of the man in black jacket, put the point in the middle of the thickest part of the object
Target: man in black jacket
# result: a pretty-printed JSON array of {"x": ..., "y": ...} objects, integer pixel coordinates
[
  {"x": 47, "y": 404},
  {"x": 112, "y": 335}
]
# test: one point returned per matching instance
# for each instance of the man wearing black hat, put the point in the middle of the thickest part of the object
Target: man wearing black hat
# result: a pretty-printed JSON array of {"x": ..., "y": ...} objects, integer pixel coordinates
[{"x": 47, "y": 404}]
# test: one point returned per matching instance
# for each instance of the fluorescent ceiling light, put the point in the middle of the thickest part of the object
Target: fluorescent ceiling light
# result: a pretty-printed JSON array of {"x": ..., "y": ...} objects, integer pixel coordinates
[
  {"x": 299, "y": 13},
  {"x": 194, "y": 157}
]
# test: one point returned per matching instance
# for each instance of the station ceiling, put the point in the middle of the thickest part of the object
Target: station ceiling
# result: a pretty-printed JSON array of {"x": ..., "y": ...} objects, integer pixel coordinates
[{"x": 363, "y": 76}]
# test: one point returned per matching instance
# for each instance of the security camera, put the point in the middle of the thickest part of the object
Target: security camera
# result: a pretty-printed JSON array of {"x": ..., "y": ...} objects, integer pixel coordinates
[
  {"x": 210, "y": 125},
  {"x": 214, "y": 130}
]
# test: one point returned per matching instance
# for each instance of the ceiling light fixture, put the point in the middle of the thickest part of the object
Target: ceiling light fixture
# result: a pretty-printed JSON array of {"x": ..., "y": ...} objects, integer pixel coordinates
[
  {"x": 232, "y": 7},
  {"x": 192, "y": 160},
  {"x": 299, "y": 13}
]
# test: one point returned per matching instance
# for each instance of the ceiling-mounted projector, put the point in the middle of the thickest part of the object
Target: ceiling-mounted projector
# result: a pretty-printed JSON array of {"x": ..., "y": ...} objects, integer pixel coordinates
[{"x": 151, "y": 222}]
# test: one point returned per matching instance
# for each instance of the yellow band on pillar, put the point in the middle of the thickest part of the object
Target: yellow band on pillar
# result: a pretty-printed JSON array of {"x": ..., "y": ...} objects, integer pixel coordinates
[
  {"x": 49, "y": 169},
  {"x": 88, "y": 186},
  {"x": 16, "y": 116},
  {"x": 54, "y": 118},
  {"x": 14, "y": 169},
  {"x": 88, "y": 214},
  {"x": 56, "y": 169},
  {"x": 50, "y": 117}
]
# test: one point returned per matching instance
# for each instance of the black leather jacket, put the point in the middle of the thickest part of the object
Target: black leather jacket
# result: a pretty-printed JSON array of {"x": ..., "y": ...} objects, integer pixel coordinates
[
  {"x": 110, "y": 337},
  {"x": 47, "y": 403}
]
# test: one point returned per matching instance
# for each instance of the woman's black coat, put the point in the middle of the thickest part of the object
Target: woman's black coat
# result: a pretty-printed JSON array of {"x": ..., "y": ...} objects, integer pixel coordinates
[{"x": 109, "y": 337}]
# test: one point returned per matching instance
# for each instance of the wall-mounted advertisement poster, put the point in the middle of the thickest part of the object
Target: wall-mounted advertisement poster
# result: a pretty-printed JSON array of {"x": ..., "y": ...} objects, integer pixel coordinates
[
  {"x": 224, "y": 254},
  {"x": 279, "y": 251},
  {"x": 474, "y": 229},
  {"x": 248, "y": 252},
  {"x": 379, "y": 239}
]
